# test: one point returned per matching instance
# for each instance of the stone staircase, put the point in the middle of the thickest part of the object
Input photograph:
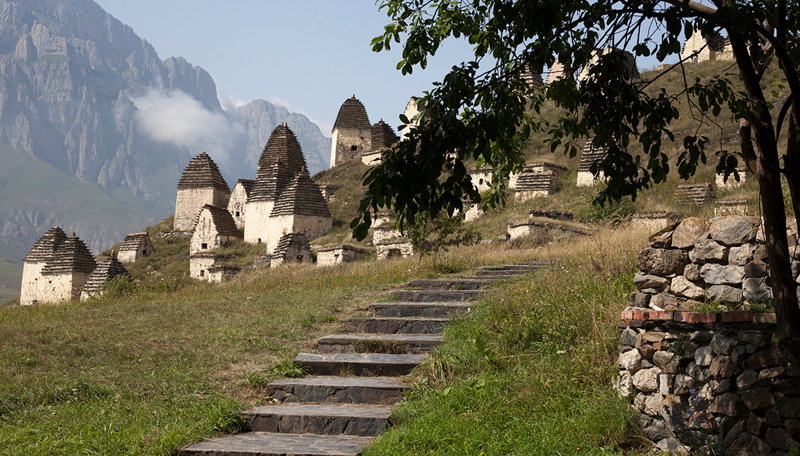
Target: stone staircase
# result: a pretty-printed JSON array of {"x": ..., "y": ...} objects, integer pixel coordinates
[{"x": 347, "y": 400}]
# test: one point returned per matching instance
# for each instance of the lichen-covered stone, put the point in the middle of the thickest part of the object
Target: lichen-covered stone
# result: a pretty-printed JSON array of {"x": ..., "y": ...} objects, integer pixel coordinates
[
  {"x": 630, "y": 361},
  {"x": 692, "y": 272},
  {"x": 667, "y": 361},
  {"x": 734, "y": 229},
  {"x": 661, "y": 262},
  {"x": 718, "y": 274},
  {"x": 664, "y": 301},
  {"x": 628, "y": 337},
  {"x": 683, "y": 287},
  {"x": 747, "y": 379},
  {"x": 722, "y": 367},
  {"x": 708, "y": 251},
  {"x": 689, "y": 232},
  {"x": 642, "y": 281},
  {"x": 640, "y": 299},
  {"x": 703, "y": 356}
]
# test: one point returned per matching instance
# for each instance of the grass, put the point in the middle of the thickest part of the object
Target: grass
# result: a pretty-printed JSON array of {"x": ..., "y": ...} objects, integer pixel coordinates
[{"x": 529, "y": 370}]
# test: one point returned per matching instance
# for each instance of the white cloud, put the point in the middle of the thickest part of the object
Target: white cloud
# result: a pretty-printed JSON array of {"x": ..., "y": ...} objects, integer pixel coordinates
[{"x": 178, "y": 118}]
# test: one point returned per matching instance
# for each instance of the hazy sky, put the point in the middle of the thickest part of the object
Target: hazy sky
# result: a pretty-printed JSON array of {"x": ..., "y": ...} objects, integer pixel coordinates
[{"x": 308, "y": 55}]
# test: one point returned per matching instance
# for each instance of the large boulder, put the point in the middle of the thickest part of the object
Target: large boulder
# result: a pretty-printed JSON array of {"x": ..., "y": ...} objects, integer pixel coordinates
[
  {"x": 661, "y": 262},
  {"x": 689, "y": 232},
  {"x": 683, "y": 287},
  {"x": 708, "y": 251},
  {"x": 734, "y": 229}
]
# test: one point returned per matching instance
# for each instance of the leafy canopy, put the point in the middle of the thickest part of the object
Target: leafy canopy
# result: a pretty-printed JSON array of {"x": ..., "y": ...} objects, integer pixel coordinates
[{"x": 485, "y": 111}]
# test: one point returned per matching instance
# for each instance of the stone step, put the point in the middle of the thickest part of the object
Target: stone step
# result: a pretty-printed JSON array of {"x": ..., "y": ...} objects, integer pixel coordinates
[
  {"x": 499, "y": 275},
  {"x": 417, "y": 309},
  {"x": 320, "y": 419},
  {"x": 436, "y": 295},
  {"x": 450, "y": 284},
  {"x": 397, "y": 325},
  {"x": 360, "y": 364},
  {"x": 272, "y": 444},
  {"x": 377, "y": 343},
  {"x": 339, "y": 390}
]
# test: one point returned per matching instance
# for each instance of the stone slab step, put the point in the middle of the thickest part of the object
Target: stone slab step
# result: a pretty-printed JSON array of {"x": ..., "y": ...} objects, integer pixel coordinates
[
  {"x": 377, "y": 343},
  {"x": 437, "y": 295},
  {"x": 499, "y": 275},
  {"x": 397, "y": 325},
  {"x": 319, "y": 419},
  {"x": 339, "y": 390},
  {"x": 271, "y": 444},
  {"x": 360, "y": 364},
  {"x": 418, "y": 309},
  {"x": 450, "y": 284}
]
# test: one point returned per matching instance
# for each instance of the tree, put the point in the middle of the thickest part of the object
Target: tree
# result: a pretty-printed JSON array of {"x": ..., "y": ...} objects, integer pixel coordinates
[
  {"x": 429, "y": 234},
  {"x": 484, "y": 110}
]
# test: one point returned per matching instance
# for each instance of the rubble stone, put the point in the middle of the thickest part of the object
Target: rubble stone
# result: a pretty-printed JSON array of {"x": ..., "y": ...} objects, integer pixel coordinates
[
  {"x": 718, "y": 274},
  {"x": 708, "y": 251},
  {"x": 682, "y": 287},
  {"x": 661, "y": 262},
  {"x": 689, "y": 232}
]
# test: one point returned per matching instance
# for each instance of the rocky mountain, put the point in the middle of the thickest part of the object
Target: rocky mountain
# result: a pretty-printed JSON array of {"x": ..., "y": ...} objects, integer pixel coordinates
[{"x": 88, "y": 106}]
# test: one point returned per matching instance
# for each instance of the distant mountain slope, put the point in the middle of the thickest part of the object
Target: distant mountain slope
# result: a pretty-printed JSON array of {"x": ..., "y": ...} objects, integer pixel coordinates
[{"x": 83, "y": 95}]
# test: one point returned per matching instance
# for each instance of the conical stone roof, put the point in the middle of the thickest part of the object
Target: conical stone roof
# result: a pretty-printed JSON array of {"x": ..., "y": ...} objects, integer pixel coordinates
[
  {"x": 223, "y": 221},
  {"x": 299, "y": 240},
  {"x": 247, "y": 184},
  {"x": 72, "y": 256},
  {"x": 202, "y": 172},
  {"x": 280, "y": 161},
  {"x": 133, "y": 241},
  {"x": 352, "y": 114},
  {"x": 591, "y": 155},
  {"x": 46, "y": 246},
  {"x": 383, "y": 135},
  {"x": 106, "y": 270},
  {"x": 301, "y": 197}
]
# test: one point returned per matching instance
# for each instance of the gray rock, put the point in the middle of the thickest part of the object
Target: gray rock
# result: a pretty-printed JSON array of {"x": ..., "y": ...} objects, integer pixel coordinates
[
  {"x": 703, "y": 356},
  {"x": 753, "y": 338},
  {"x": 708, "y": 251},
  {"x": 692, "y": 272},
  {"x": 657, "y": 431},
  {"x": 689, "y": 232},
  {"x": 630, "y": 361},
  {"x": 728, "y": 404},
  {"x": 788, "y": 407},
  {"x": 773, "y": 417},
  {"x": 756, "y": 289},
  {"x": 765, "y": 358},
  {"x": 640, "y": 299},
  {"x": 757, "y": 425},
  {"x": 741, "y": 255},
  {"x": 671, "y": 445},
  {"x": 780, "y": 439},
  {"x": 646, "y": 380},
  {"x": 701, "y": 337},
  {"x": 667, "y": 361},
  {"x": 748, "y": 445},
  {"x": 758, "y": 399},
  {"x": 665, "y": 382},
  {"x": 682, "y": 287},
  {"x": 683, "y": 384},
  {"x": 698, "y": 373},
  {"x": 652, "y": 404},
  {"x": 642, "y": 281},
  {"x": 663, "y": 239},
  {"x": 734, "y": 432},
  {"x": 796, "y": 269},
  {"x": 723, "y": 345},
  {"x": 747, "y": 379},
  {"x": 734, "y": 229},
  {"x": 661, "y": 262},
  {"x": 718, "y": 274},
  {"x": 723, "y": 367},
  {"x": 756, "y": 268},
  {"x": 628, "y": 337},
  {"x": 623, "y": 383},
  {"x": 724, "y": 293},
  {"x": 663, "y": 301},
  {"x": 720, "y": 387}
]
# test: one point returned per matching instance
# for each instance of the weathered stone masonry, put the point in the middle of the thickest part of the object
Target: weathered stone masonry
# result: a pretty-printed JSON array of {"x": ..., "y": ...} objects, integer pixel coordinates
[
  {"x": 200, "y": 184},
  {"x": 690, "y": 375}
]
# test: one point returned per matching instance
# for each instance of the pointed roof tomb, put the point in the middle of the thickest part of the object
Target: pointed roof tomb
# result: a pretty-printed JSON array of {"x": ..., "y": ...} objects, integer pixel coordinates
[
  {"x": 72, "y": 256},
  {"x": 107, "y": 269},
  {"x": 280, "y": 161},
  {"x": 237, "y": 205},
  {"x": 45, "y": 247},
  {"x": 383, "y": 135},
  {"x": 300, "y": 209},
  {"x": 135, "y": 246},
  {"x": 200, "y": 184},
  {"x": 352, "y": 132},
  {"x": 214, "y": 228}
]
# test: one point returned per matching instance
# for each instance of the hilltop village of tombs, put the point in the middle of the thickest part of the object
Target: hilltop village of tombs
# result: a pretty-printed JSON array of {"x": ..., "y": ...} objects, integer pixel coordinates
[{"x": 284, "y": 209}]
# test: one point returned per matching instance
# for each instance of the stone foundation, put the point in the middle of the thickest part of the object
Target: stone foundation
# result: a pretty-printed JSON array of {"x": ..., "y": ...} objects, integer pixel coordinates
[
  {"x": 389, "y": 250},
  {"x": 714, "y": 379},
  {"x": 339, "y": 254},
  {"x": 654, "y": 221},
  {"x": 522, "y": 228}
]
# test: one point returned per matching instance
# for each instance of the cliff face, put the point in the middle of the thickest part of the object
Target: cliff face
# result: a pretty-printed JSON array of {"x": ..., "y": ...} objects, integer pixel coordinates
[{"x": 72, "y": 84}]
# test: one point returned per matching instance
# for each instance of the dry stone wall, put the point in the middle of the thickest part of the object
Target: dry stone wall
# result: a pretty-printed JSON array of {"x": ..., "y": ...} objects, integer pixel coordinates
[
  {"x": 331, "y": 256},
  {"x": 721, "y": 259},
  {"x": 696, "y": 376}
]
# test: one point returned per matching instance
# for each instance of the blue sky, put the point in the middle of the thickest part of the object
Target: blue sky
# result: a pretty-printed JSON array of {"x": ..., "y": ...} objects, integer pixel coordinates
[{"x": 309, "y": 55}]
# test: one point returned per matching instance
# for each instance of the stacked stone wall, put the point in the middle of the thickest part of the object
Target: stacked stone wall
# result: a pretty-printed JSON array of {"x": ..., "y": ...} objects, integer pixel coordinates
[
  {"x": 715, "y": 379},
  {"x": 237, "y": 205},
  {"x": 310, "y": 226},
  {"x": 522, "y": 228},
  {"x": 654, "y": 221},
  {"x": 256, "y": 230},
  {"x": 33, "y": 284},
  {"x": 720, "y": 259},
  {"x": 337, "y": 255},
  {"x": 190, "y": 202},
  {"x": 387, "y": 250},
  {"x": 346, "y": 139}
]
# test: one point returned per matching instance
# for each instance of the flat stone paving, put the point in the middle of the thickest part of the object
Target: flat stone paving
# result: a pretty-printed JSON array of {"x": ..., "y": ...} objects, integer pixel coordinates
[
  {"x": 276, "y": 444},
  {"x": 347, "y": 390},
  {"x": 320, "y": 419},
  {"x": 361, "y": 364},
  {"x": 437, "y": 295},
  {"x": 419, "y": 309},
  {"x": 381, "y": 343},
  {"x": 397, "y": 325}
]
